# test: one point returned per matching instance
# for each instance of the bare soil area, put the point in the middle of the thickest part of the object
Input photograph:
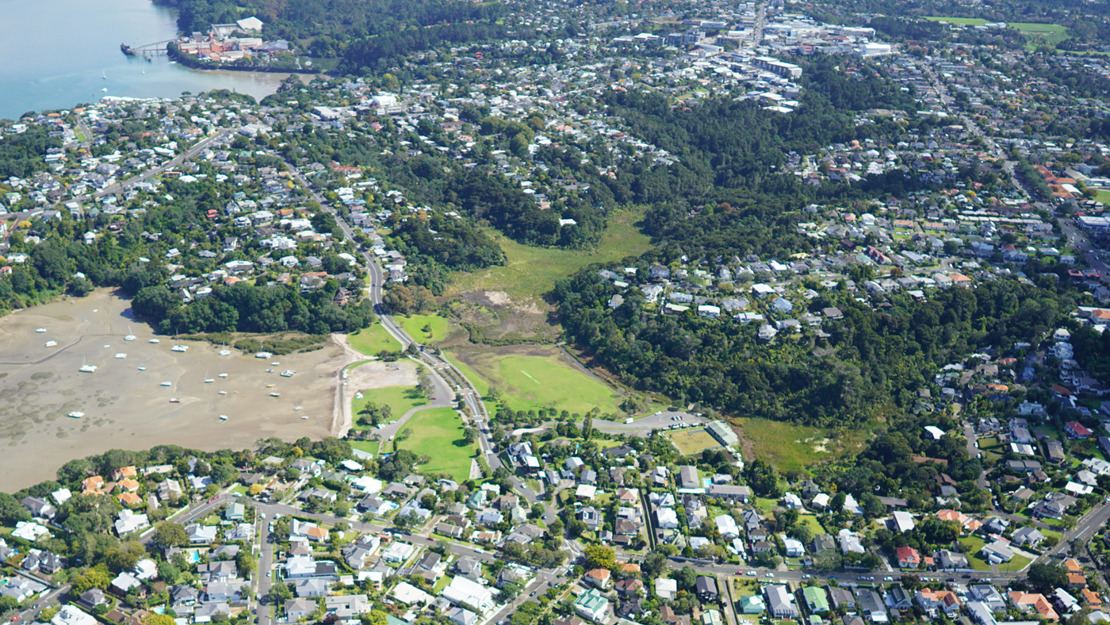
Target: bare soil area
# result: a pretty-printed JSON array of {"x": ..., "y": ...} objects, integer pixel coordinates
[
  {"x": 126, "y": 401},
  {"x": 377, "y": 374}
]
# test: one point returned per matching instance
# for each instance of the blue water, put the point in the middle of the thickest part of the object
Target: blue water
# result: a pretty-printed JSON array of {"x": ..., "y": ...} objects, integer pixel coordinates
[{"x": 60, "y": 53}]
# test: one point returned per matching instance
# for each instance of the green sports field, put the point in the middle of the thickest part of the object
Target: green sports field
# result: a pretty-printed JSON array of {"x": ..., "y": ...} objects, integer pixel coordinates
[
  {"x": 400, "y": 400},
  {"x": 438, "y": 434},
  {"x": 540, "y": 377},
  {"x": 372, "y": 340}
]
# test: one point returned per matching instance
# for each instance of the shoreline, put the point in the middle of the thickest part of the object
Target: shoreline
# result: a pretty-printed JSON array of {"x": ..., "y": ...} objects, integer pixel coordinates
[{"x": 192, "y": 62}]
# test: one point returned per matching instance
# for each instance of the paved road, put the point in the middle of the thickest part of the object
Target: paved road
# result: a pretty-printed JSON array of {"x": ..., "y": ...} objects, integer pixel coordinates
[
  {"x": 263, "y": 577},
  {"x": 445, "y": 375},
  {"x": 973, "y": 452}
]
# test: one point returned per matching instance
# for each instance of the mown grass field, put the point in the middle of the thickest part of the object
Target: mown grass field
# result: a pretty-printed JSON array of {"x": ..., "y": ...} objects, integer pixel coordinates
[
  {"x": 791, "y": 447},
  {"x": 372, "y": 340},
  {"x": 529, "y": 272},
  {"x": 437, "y": 327},
  {"x": 692, "y": 442},
  {"x": 400, "y": 400},
  {"x": 438, "y": 434},
  {"x": 959, "y": 21},
  {"x": 1052, "y": 34},
  {"x": 540, "y": 377},
  {"x": 1103, "y": 196}
]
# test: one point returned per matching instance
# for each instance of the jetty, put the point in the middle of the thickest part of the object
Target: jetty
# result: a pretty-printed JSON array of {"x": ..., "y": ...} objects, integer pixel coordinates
[{"x": 158, "y": 48}]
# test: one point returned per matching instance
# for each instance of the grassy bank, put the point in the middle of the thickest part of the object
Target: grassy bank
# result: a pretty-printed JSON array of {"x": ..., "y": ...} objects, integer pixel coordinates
[
  {"x": 372, "y": 340},
  {"x": 529, "y": 272},
  {"x": 791, "y": 447}
]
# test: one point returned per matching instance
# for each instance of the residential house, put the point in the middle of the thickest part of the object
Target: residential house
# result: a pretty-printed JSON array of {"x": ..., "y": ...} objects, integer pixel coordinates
[
  {"x": 593, "y": 605},
  {"x": 706, "y": 588},
  {"x": 599, "y": 578},
  {"x": 908, "y": 557},
  {"x": 935, "y": 601},
  {"x": 816, "y": 601},
  {"x": 779, "y": 602},
  {"x": 870, "y": 606}
]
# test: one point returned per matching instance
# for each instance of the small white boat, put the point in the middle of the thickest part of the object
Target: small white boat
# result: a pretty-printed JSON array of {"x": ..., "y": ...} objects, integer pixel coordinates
[
  {"x": 129, "y": 338},
  {"x": 179, "y": 348},
  {"x": 40, "y": 330},
  {"x": 298, "y": 408},
  {"x": 223, "y": 375},
  {"x": 142, "y": 368},
  {"x": 275, "y": 394},
  {"x": 154, "y": 341},
  {"x": 209, "y": 380},
  {"x": 76, "y": 414},
  {"x": 87, "y": 369},
  {"x": 225, "y": 352},
  {"x": 223, "y": 392},
  {"x": 174, "y": 400},
  {"x": 121, "y": 356},
  {"x": 304, "y": 417},
  {"x": 50, "y": 343},
  {"x": 288, "y": 373},
  {"x": 274, "y": 363},
  {"x": 167, "y": 383},
  {"x": 223, "y": 417}
]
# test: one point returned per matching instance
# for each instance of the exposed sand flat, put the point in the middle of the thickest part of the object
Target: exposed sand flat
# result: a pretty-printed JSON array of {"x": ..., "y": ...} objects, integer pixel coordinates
[{"x": 129, "y": 409}]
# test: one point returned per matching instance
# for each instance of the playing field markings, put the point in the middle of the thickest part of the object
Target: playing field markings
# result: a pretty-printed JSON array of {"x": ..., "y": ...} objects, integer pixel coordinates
[{"x": 529, "y": 376}]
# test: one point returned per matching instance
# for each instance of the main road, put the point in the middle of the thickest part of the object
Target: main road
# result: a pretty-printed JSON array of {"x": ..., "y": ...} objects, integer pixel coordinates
[{"x": 447, "y": 375}]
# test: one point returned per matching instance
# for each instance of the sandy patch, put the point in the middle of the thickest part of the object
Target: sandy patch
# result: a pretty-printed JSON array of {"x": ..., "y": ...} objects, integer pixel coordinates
[
  {"x": 498, "y": 298},
  {"x": 376, "y": 374},
  {"x": 128, "y": 408}
]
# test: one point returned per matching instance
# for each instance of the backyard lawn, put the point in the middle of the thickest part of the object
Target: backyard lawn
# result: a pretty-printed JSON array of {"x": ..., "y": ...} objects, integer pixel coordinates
[
  {"x": 438, "y": 434},
  {"x": 370, "y": 447}
]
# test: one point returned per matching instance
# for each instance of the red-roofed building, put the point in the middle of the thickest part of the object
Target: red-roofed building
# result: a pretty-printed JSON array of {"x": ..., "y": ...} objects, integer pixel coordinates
[
  {"x": 1075, "y": 429},
  {"x": 933, "y": 601},
  {"x": 599, "y": 578},
  {"x": 908, "y": 558}
]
